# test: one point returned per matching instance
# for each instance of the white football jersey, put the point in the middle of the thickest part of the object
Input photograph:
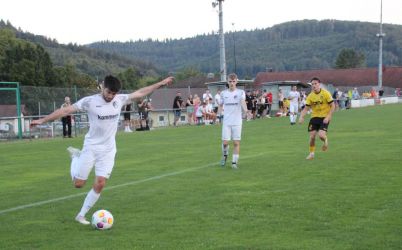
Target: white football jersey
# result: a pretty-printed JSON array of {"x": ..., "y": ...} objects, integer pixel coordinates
[
  {"x": 103, "y": 118},
  {"x": 295, "y": 95},
  {"x": 232, "y": 111}
]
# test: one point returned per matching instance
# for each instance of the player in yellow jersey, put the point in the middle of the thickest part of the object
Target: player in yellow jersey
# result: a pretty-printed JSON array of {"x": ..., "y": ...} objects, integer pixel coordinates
[{"x": 322, "y": 105}]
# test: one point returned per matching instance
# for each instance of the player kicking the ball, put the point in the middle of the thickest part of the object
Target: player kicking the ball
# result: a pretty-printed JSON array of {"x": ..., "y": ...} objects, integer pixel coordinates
[
  {"x": 99, "y": 148},
  {"x": 322, "y": 105},
  {"x": 232, "y": 103}
]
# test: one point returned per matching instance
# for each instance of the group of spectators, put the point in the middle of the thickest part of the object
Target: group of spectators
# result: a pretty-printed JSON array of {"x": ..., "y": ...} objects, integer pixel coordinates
[
  {"x": 144, "y": 106},
  {"x": 199, "y": 111},
  {"x": 343, "y": 99},
  {"x": 259, "y": 104}
]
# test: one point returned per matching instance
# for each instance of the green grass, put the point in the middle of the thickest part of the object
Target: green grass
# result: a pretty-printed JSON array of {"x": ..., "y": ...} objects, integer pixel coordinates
[{"x": 168, "y": 192}]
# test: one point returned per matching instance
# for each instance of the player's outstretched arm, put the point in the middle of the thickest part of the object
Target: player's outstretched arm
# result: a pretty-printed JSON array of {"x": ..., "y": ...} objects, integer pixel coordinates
[
  {"x": 302, "y": 114},
  {"x": 149, "y": 89},
  {"x": 58, "y": 113}
]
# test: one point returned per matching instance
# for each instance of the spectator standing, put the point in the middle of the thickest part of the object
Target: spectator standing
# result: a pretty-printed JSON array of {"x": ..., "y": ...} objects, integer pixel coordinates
[
  {"x": 143, "y": 109},
  {"x": 268, "y": 103},
  {"x": 127, "y": 118},
  {"x": 355, "y": 94},
  {"x": 381, "y": 92},
  {"x": 66, "y": 120},
  {"x": 335, "y": 97},
  {"x": 177, "y": 105},
  {"x": 206, "y": 96},
  {"x": 197, "y": 104},
  {"x": 373, "y": 93},
  {"x": 190, "y": 109},
  {"x": 280, "y": 102},
  {"x": 249, "y": 104},
  {"x": 217, "y": 101}
]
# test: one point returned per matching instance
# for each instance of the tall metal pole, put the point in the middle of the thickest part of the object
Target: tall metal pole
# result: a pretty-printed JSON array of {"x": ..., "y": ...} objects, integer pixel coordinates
[
  {"x": 234, "y": 50},
  {"x": 222, "y": 44},
  {"x": 18, "y": 95},
  {"x": 380, "y": 36}
]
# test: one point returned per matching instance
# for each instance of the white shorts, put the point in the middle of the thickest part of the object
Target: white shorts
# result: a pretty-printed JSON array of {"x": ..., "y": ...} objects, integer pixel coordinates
[
  {"x": 294, "y": 108},
  {"x": 102, "y": 160},
  {"x": 231, "y": 132}
]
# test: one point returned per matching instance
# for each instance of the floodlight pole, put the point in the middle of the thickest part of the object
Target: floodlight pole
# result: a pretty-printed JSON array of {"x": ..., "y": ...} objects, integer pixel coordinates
[
  {"x": 380, "y": 36},
  {"x": 221, "y": 41},
  {"x": 234, "y": 49}
]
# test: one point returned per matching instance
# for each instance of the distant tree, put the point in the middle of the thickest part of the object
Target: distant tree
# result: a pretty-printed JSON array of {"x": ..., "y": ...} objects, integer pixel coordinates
[
  {"x": 187, "y": 73},
  {"x": 349, "y": 58},
  {"x": 130, "y": 78}
]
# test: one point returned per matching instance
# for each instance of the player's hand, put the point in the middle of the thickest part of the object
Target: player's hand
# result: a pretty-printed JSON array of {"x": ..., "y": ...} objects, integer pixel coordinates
[
  {"x": 167, "y": 81},
  {"x": 36, "y": 122},
  {"x": 326, "y": 120}
]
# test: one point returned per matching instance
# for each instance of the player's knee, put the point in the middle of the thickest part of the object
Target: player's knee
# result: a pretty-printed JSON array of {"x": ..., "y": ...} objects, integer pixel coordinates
[
  {"x": 79, "y": 183},
  {"x": 322, "y": 135},
  {"x": 99, "y": 184}
]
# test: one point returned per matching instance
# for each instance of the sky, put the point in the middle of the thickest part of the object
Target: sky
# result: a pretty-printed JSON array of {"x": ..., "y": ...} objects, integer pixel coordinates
[{"x": 86, "y": 21}]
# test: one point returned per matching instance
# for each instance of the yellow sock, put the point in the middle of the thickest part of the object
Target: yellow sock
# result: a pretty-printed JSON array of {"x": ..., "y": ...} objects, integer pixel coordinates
[{"x": 312, "y": 149}]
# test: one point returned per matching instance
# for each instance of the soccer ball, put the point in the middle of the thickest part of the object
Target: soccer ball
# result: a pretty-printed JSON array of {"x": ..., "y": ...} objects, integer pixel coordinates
[{"x": 102, "y": 220}]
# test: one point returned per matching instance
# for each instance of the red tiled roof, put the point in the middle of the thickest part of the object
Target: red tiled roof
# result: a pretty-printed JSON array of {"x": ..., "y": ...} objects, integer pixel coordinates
[{"x": 392, "y": 76}]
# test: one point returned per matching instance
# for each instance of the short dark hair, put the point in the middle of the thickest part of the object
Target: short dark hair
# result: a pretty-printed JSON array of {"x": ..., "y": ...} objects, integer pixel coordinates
[
  {"x": 232, "y": 76},
  {"x": 315, "y": 79},
  {"x": 112, "y": 83}
]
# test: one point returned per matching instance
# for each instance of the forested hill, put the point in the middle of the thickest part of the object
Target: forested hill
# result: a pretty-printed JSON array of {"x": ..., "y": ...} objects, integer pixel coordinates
[
  {"x": 80, "y": 60},
  {"x": 296, "y": 45}
]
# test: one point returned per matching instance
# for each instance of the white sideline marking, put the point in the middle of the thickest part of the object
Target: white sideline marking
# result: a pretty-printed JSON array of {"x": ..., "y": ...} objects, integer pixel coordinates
[{"x": 35, "y": 204}]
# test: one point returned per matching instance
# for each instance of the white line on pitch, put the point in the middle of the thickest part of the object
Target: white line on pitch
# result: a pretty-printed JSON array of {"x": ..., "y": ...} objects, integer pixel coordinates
[{"x": 35, "y": 204}]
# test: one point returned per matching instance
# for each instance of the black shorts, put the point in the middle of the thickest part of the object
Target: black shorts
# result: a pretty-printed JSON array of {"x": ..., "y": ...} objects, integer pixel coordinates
[
  {"x": 317, "y": 123},
  {"x": 143, "y": 115},
  {"x": 280, "y": 104},
  {"x": 127, "y": 116}
]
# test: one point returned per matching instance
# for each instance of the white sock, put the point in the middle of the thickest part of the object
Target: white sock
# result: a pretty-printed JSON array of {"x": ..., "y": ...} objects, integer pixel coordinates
[
  {"x": 291, "y": 118},
  {"x": 225, "y": 150},
  {"x": 74, "y": 167},
  {"x": 294, "y": 118},
  {"x": 89, "y": 201},
  {"x": 235, "y": 158}
]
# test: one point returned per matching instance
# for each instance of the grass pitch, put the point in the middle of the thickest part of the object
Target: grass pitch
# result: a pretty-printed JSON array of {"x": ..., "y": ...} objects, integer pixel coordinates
[{"x": 167, "y": 190}]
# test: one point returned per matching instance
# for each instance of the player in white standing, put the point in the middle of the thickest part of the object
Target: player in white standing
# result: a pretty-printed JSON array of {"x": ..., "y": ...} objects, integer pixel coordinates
[
  {"x": 99, "y": 148},
  {"x": 233, "y": 102},
  {"x": 294, "y": 97}
]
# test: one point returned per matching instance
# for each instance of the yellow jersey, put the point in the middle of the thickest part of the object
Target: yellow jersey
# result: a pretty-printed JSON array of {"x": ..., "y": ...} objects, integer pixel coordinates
[{"x": 319, "y": 103}]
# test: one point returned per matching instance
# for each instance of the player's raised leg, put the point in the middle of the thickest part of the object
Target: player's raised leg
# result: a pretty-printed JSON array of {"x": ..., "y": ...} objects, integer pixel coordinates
[{"x": 74, "y": 154}]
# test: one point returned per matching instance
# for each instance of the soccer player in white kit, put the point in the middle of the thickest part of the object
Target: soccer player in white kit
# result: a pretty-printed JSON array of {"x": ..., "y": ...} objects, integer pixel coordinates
[
  {"x": 294, "y": 97},
  {"x": 233, "y": 102},
  {"x": 99, "y": 148}
]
